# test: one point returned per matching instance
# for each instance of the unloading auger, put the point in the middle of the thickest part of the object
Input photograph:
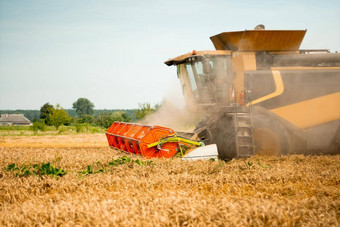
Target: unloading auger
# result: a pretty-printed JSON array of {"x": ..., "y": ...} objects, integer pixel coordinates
[{"x": 155, "y": 142}]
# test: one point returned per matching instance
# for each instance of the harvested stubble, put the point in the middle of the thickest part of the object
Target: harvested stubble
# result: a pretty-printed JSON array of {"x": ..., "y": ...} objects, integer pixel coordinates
[{"x": 293, "y": 190}]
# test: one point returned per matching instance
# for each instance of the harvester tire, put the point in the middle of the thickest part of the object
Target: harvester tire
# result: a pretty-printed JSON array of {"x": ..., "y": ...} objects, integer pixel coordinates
[{"x": 269, "y": 134}]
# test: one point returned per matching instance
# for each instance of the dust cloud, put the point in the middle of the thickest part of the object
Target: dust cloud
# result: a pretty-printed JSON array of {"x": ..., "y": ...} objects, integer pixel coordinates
[{"x": 173, "y": 112}]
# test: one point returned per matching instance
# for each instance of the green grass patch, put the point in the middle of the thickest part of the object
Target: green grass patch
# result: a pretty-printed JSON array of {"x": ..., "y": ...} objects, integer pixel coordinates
[
  {"x": 42, "y": 169},
  {"x": 47, "y": 169},
  {"x": 14, "y": 130},
  {"x": 100, "y": 168}
]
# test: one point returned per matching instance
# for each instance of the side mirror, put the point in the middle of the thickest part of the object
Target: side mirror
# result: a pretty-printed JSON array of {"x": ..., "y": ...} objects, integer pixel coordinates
[{"x": 206, "y": 66}]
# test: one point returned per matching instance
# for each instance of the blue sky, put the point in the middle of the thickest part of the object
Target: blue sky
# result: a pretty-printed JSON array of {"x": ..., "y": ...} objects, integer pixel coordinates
[{"x": 113, "y": 52}]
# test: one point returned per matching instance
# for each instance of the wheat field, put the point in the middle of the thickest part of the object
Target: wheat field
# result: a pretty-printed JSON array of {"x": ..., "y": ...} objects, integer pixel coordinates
[{"x": 292, "y": 190}]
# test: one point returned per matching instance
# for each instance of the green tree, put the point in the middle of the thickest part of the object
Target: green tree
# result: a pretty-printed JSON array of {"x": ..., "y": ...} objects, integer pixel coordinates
[
  {"x": 45, "y": 112},
  {"x": 86, "y": 119},
  {"x": 143, "y": 110},
  {"x": 83, "y": 106},
  {"x": 125, "y": 117},
  {"x": 59, "y": 117},
  {"x": 106, "y": 119},
  {"x": 39, "y": 125}
]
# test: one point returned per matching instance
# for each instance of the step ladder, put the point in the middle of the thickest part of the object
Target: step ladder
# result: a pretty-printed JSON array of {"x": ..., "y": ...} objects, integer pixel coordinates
[{"x": 244, "y": 134}]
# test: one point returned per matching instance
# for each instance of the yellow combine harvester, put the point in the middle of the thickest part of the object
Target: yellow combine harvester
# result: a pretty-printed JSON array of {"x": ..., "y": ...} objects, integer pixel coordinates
[{"x": 261, "y": 94}]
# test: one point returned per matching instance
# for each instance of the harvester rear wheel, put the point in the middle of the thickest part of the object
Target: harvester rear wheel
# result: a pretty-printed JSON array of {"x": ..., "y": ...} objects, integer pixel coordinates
[
  {"x": 266, "y": 142},
  {"x": 270, "y": 136}
]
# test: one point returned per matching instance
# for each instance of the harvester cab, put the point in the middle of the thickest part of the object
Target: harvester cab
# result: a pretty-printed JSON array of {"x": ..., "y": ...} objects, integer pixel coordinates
[{"x": 205, "y": 77}]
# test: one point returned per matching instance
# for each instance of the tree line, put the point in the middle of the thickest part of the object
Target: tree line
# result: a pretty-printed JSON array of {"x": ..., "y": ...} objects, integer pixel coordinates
[
  {"x": 34, "y": 115},
  {"x": 82, "y": 112}
]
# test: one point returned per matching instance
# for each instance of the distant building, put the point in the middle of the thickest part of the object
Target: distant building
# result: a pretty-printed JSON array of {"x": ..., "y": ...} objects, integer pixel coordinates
[{"x": 14, "y": 119}]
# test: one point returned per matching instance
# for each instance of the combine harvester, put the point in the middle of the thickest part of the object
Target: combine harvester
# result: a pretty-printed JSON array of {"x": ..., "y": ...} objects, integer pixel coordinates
[{"x": 259, "y": 94}]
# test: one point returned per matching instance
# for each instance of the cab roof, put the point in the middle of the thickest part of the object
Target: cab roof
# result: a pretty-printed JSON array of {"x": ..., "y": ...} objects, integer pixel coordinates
[{"x": 181, "y": 58}]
